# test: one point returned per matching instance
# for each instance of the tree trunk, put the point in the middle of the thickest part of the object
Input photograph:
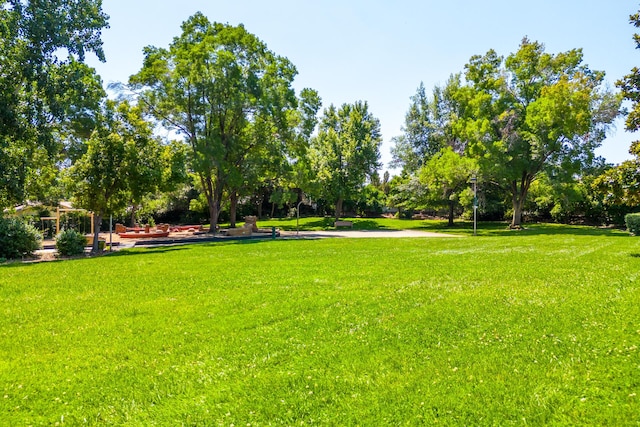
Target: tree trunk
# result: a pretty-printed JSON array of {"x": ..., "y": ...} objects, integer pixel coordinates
[
  {"x": 339, "y": 203},
  {"x": 132, "y": 221},
  {"x": 516, "y": 221},
  {"x": 451, "y": 206},
  {"x": 213, "y": 195},
  {"x": 233, "y": 209},
  {"x": 260, "y": 210},
  {"x": 518, "y": 196},
  {"x": 97, "y": 222}
]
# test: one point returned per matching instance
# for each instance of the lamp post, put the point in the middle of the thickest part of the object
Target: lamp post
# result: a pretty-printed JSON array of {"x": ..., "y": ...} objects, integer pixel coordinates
[{"x": 474, "y": 180}]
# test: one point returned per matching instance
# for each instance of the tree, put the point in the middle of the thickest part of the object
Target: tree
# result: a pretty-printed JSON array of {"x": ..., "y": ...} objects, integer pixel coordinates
[
  {"x": 220, "y": 87},
  {"x": 43, "y": 82},
  {"x": 445, "y": 175},
  {"x": 620, "y": 185},
  {"x": 630, "y": 84},
  {"x": 530, "y": 113},
  {"x": 407, "y": 194},
  {"x": 274, "y": 160},
  {"x": 345, "y": 152},
  {"x": 122, "y": 163},
  {"x": 427, "y": 128}
]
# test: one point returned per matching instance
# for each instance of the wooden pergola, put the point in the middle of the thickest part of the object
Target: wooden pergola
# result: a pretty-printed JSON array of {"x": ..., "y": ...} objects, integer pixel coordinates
[{"x": 57, "y": 217}]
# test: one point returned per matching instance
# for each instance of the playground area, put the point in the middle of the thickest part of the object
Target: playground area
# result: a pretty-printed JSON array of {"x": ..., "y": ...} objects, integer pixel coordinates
[{"x": 162, "y": 234}]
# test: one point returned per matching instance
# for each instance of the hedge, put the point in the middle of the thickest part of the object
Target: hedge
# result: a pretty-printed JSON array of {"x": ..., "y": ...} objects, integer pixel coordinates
[{"x": 632, "y": 221}]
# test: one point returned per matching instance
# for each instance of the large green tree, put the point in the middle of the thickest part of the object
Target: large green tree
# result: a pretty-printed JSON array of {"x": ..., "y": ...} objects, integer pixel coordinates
[
  {"x": 621, "y": 184},
  {"x": 226, "y": 93},
  {"x": 345, "y": 152},
  {"x": 43, "y": 83},
  {"x": 630, "y": 84},
  {"x": 122, "y": 163},
  {"x": 427, "y": 128},
  {"x": 532, "y": 112}
]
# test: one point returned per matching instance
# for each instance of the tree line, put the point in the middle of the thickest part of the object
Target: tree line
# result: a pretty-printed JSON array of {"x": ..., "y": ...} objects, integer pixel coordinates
[{"x": 524, "y": 126}]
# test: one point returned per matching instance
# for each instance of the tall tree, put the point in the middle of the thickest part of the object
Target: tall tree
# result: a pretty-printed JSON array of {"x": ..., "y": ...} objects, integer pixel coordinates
[
  {"x": 345, "y": 152},
  {"x": 532, "y": 112},
  {"x": 621, "y": 184},
  {"x": 122, "y": 162},
  {"x": 43, "y": 82},
  {"x": 221, "y": 88},
  {"x": 427, "y": 128},
  {"x": 630, "y": 84}
]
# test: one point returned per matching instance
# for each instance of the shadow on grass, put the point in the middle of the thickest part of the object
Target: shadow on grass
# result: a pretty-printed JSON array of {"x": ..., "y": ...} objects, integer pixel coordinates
[
  {"x": 135, "y": 251},
  {"x": 326, "y": 224},
  {"x": 502, "y": 229}
]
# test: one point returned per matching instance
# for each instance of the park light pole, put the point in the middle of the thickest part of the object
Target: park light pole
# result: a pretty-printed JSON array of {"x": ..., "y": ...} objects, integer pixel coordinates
[{"x": 474, "y": 180}]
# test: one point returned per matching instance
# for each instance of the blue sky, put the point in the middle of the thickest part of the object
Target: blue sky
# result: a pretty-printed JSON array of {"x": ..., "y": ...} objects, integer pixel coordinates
[{"x": 379, "y": 51}]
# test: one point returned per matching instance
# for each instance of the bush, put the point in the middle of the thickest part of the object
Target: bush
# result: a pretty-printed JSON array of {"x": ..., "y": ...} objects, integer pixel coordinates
[
  {"x": 18, "y": 239},
  {"x": 633, "y": 223},
  {"x": 70, "y": 242}
]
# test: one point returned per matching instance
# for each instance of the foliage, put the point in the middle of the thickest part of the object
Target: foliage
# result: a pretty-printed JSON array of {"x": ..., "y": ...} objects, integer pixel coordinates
[
  {"x": 630, "y": 84},
  {"x": 70, "y": 242},
  {"x": 45, "y": 88},
  {"x": 428, "y": 127},
  {"x": 407, "y": 194},
  {"x": 446, "y": 175},
  {"x": 345, "y": 152},
  {"x": 436, "y": 331},
  {"x": 632, "y": 222},
  {"x": 17, "y": 239},
  {"x": 122, "y": 163},
  {"x": 371, "y": 201},
  {"x": 619, "y": 186},
  {"x": 556, "y": 200},
  {"x": 220, "y": 87},
  {"x": 532, "y": 112}
]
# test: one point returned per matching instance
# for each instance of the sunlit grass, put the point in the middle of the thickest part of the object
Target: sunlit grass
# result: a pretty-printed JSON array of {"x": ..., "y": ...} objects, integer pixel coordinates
[
  {"x": 441, "y": 226},
  {"x": 510, "y": 329}
]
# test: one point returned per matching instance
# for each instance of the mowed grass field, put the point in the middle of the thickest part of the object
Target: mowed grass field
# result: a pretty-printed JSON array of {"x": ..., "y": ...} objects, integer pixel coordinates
[{"x": 540, "y": 327}]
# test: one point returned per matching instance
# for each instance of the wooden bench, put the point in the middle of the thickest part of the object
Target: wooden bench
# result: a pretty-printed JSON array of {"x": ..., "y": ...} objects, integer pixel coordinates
[{"x": 343, "y": 224}]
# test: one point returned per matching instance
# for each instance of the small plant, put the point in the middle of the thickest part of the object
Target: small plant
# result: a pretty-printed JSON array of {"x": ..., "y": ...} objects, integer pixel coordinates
[
  {"x": 632, "y": 221},
  {"x": 17, "y": 239},
  {"x": 70, "y": 242}
]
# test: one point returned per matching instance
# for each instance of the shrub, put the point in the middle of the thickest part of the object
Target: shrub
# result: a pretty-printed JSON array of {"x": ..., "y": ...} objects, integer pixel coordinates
[
  {"x": 70, "y": 242},
  {"x": 17, "y": 239},
  {"x": 632, "y": 221}
]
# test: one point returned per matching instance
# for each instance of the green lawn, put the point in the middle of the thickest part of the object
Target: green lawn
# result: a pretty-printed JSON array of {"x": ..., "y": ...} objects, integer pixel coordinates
[
  {"x": 535, "y": 327},
  {"x": 440, "y": 226}
]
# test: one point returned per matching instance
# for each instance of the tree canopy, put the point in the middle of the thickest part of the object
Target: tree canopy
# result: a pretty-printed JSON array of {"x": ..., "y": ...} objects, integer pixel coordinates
[
  {"x": 122, "y": 163},
  {"x": 532, "y": 112},
  {"x": 43, "y": 82},
  {"x": 345, "y": 152},
  {"x": 220, "y": 87}
]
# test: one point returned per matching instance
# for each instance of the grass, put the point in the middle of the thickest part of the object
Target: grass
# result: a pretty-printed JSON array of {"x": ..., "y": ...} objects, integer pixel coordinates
[
  {"x": 440, "y": 226},
  {"x": 505, "y": 329}
]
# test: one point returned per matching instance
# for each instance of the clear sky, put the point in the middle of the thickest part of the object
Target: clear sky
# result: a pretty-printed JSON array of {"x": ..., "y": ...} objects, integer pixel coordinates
[{"x": 379, "y": 51}]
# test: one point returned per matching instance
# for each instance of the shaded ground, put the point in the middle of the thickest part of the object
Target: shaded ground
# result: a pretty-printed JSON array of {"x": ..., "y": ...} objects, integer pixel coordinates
[
  {"x": 176, "y": 238},
  {"x": 364, "y": 234}
]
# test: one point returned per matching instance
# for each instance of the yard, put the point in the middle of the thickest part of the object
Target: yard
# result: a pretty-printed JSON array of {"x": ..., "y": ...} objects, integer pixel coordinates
[{"x": 508, "y": 328}]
